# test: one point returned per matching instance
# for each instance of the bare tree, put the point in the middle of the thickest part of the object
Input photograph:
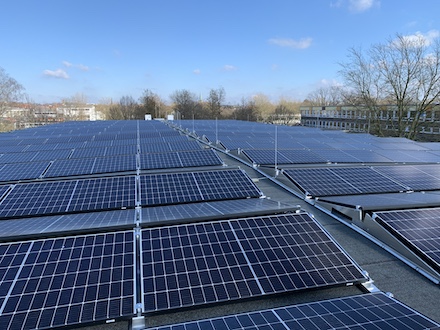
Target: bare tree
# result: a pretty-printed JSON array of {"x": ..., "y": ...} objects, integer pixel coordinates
[
  {"x": 247, "y": 110},
  {"x": 10, "y": 91},
  {"x": 404, "y": 70},
  {"x": 126, "y": 108},
  {"x": 214, "y": 102},
  {"x": 326, "y": 96},
  {"x": 151, "y": 103},
  {"x": 185, "y": 104}
]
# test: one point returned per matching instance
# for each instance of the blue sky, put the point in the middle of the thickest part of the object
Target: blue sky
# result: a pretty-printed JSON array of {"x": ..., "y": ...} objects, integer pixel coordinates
[{"x": 281, "y": 48}]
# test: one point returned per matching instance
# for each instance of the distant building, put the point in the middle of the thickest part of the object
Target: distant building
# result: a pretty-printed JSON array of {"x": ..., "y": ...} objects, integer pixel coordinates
[
  {"x": 26, "y": 115},
  {"x": 358, "y": 119}
]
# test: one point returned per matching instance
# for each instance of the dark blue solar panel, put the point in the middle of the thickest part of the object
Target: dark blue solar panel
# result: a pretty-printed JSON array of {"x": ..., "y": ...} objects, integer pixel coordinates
[
  {"x": 265, "y": 156},
  {"x": 201, "y": 263},
  {"x": 418, "y": 228},
  {"x": 66, "y": 222},
  {"x": 103, "y": 194},
  {"x": 22, "y": 171},
  {"x": 69, "y": 196},
  {"x": 199, "y": 158},
  {"x": 174, "y": 188},
  {"x": 68, "y": 167},
  {"x": 368, "y": 311},
  {"x": 119, "y": 163},
  {"x": 121, "y": 150},
  {"x": 159, "y": 160},
  {"x": 411, "y": 176},
  {"x": 67, "y": 281},
  {"x": 88, "y": 152},
  {"x": 37, "y": 198},
  {"x": 17, "y": 157},
  {"x": 342, "y": 181}
]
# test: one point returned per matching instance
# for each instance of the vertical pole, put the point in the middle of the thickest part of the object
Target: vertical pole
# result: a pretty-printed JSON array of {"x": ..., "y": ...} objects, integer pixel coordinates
[{"x": 276, "y": 150}]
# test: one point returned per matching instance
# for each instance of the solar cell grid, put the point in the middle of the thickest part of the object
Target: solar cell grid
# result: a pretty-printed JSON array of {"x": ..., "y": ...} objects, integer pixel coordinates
[
  {"x": 152, "y": 148},
  {"x": 367, "y": 180},
  {"x": 265, "y": 156},
  {"x": 103, "y": 194},
  {"x": 119, "y": 163},
  {"x": 72, "y": 280},
  {"x": 37, "y": 198},
  {"x": 159, "y": 160},
  {"x": 369, "y": 311},
  {"x": 199, "y": 158},
  {"x": 69, "y": 167},
  {"x": 320, "y": 182},
  {"x": 193, "y": 264},
  {"x": 228, "y": 184},
  {"x": 411, "y": 176},
  {"x": 22, "y": 171},
  {"x": 88, "y": 152},
  {"x": 418, "y": 228}
]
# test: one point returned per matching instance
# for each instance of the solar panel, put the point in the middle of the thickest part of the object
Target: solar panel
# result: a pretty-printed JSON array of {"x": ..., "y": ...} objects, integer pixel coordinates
[
  {"x": 209, "y": 262},
  {"x": 341, "y": 181},
  {"x": 121, "y": 150},
  {"x": 103, "y": 194},
  {"x": 172, "y": 188},
  {"x": 67, "y": 281},
  {"x": 411, "y": 176},
  {"x": 320, "y": 182},
  {"x": 119, "y": 163},
  {"x": 265, "y": 156},
  {"x": 159, "y": 160},
  {"x": 17, "y": 157},
  {"x": 22, "y": 171},
  {"x": 417, "y": 228},
  {"x": 69, "y": 196},
  {"x": 335, "y": 156},
  {"x": 66, "y": 222},
  {"x": 199, "y": 158},
  {"x": 367, "y": 180},
  {"x": 368, "y": 311},
  {"x": 153, "y": 148},
  {"x": 206, "y": 210},
  {"x": 88, "y": 152},
  {"x": 69, "y": 167}
]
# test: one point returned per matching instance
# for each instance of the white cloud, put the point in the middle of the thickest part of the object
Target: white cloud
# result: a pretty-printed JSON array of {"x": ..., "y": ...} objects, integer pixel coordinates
[
  {"x": 228, "y": 67},
  {"x": 197, "y": 71},
  {"x": 81, "y": 67},
  {"x": 355, "y": 6},
  {"x": 427, "y": 38},
  {"x": 59, "y": 73},
  {"x": 291, "y": 43},
  {"x": 361, "y": 5}
]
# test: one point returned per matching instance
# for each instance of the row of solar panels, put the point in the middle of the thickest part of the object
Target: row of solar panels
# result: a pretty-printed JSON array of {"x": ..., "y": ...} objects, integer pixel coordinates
[
  {"x": 234, "y": 135},
  {"x": 110, "y": 164},
  {"x": 323, "y": 156},
  {"x": 332, "y": 181},
  {"x": 64, "y": 152},
  {"x": 68, "y": 133},
  {"x": 116, "y": 192},
  {"x": 86, "y": 278}
]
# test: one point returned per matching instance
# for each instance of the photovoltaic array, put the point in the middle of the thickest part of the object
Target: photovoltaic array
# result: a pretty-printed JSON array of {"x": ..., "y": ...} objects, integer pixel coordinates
[
  {"x": 110, "y": 220},
  {"x": 370, "y": 311},
  {"x": 194, "y": 264}
]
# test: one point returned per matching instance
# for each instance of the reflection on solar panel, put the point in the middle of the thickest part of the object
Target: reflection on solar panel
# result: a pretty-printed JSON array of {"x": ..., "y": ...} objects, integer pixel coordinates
[
  {"x": 412, "y": 176},
  {"x": 367, "y": 180},
  {"x": 369, "y": 311},
  {"x": 265, "y": 157},
  {"x": 418, "y": 228},
  {"x": 172, "y": 188},
  {"x": 67, "y": 196},
  {"x": 342, "y": 181},
  {"x": 209, "y": 262},
  {"x": 22, "y": 171},
  {"x": 320, "y": 182},
  {"x": 67, "y": 281},
  {"x": 66, "y": 222},
  {"x": 206, "y": 210}
]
